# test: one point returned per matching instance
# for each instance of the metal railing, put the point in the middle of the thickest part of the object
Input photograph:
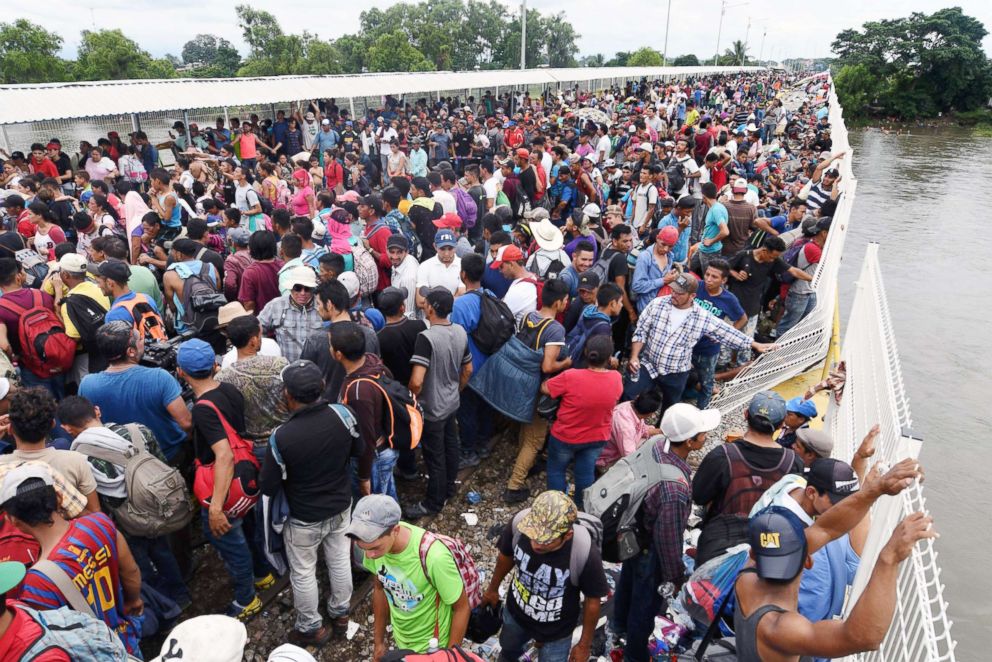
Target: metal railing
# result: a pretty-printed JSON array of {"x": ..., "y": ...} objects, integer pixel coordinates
[
  {"x": 805, "y": 344},
  {"x": 874, "y": 393}
]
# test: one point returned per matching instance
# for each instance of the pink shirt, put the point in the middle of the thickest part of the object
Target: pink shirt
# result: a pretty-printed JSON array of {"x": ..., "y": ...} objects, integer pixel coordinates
[
  {"x": 298, "y": 203},
  {"x": 626, "y": 433}
]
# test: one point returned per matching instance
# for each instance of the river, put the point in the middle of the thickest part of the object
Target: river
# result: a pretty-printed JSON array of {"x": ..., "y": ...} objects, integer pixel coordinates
[{"x": 918, "y": 196}]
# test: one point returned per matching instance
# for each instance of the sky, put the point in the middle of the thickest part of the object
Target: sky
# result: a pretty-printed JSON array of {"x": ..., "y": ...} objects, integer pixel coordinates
[{"x": 804, "y": 30}]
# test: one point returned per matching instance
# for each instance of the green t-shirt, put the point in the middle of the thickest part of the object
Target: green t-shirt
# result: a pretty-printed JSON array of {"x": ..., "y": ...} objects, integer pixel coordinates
[
  {"x": 143, "y": 280},
  {"x": 412, "y": 596}
]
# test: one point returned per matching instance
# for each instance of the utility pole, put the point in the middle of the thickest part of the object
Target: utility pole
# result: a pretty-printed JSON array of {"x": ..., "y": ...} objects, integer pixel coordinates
[
  {"x": 719, "y": 31},
  {"x": 523, "y": 34},
  {"x": 761, "y": 53},
  {"x": 747, "y": 36},
  {"x": 668, "y": 20}
]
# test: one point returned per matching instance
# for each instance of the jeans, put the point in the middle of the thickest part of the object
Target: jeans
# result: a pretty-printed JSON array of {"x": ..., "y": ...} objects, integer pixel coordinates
[
  {"x": 561, "y": 454},
  {"x": 237, "y": 556},
  {"x": 439, "y": 442},
  {"x": 797, "y": 306},
  {"x": 54, "y": 385},
  {"x": 671, "y": 386},
  {"x": 531, "y": 442},
  {"x": 158, "y": 567},
  {"x": 743, "y": 355},
  {"x": 382, "y": 481},
  {"x": 704, "y": 368},
  {"x": 303, "y": 541},
  {"x": 636, "y": 603},
  {"x": 513, "y": 638},
  {"x": 475, "y": 422}
]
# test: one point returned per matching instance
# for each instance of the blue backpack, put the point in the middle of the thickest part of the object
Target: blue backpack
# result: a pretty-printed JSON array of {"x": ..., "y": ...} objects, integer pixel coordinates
[{"x": 81, "y": 636}]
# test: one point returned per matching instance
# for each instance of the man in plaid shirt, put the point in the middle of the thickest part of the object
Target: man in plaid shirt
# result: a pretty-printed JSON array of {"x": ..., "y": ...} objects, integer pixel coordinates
[
  {"x": 667, "y": 330},
  {"x": 663, "y": 519}
]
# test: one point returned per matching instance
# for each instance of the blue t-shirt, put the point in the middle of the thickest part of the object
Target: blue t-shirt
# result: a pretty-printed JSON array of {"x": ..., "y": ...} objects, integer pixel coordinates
[
  {"x": 441, "y": 150},
  {"x": 493, "y": 280},
  {"x": 138, "y": 395},
  {"x": 466, "y": 313},
  {"x": 724, "y": 306},
  {"x": 119, "y": 312},
  {"x": 326, "y": 140},
  {"x": 823, "y": 587},
  {"x": 716, "y": 215}
]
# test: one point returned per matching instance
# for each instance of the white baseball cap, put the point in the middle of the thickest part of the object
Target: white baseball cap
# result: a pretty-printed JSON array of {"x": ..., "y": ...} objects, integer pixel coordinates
[
  {"x": 208, "y": 638},
  {"x": 683, "y": 421},
  {"x": 350, "y": 281}
]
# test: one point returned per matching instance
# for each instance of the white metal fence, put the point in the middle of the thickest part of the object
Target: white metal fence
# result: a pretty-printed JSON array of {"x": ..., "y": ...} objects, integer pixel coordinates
[
  {"x": 807, "y": 342},
  {"x": 874, "y": 393}
]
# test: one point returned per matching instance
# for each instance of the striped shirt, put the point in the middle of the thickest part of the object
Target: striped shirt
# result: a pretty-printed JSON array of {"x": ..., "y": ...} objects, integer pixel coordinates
[
  {"x": 87, "y": 553},
  {"x": 817, "y": 197}
]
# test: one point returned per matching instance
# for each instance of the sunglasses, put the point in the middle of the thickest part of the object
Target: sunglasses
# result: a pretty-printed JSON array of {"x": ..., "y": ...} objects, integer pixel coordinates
[{"x": 302, "y": 288}]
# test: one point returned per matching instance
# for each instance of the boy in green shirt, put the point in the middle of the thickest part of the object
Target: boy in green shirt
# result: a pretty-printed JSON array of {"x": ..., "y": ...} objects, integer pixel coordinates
[{"x": 420, "y": 607}]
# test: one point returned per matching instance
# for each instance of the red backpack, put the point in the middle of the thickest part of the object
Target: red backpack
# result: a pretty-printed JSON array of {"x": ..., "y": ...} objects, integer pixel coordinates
[
  {"x": 45, "y": 348},
  {"x": 538, "y": 287},
  {"x": 243, "y": 493}
]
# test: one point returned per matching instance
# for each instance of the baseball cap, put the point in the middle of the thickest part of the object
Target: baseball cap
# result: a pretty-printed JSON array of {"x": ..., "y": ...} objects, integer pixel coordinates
[
  {"x": 439, "y": 298},
  {"x": 449, "y": 220},
  {"x": 767, "y": 405},
  {"x": 325, "y": 122},
  {"x": 392, "y": 296},
  {"x": 350, "y": 281},
  {"x": 683, "y": 421},
  {"x": 808, "y": 226},
  {"x": 824, "y": 223},
  {"x": 116, "y": 270},
  {"x": 302, "y": 376},
  {"x": 684, "y": 283},
  {"x": 588, "y": 281},
  {"x": 609, "y": 163},
  {"x": 801, "y": 406},
  {"x": 550, "y": 517},
  {"x": 208, "y": 638},
  {"x": 301, "y": 275},
  {"x": 778, "y": 543},
  {"x": 817, "y": 441},
  {"x": 195, "y": 356},
  {"x": 239, "y": 236},
  {"x": 319, "y": 232},
  {"x": 834, "y": 477},
  {"x": 444, "y": 237},
  {"x": 646, "y": 147},
  {"x": 72, "y": 263},
  {"x": 14, "y": 478},
  {"x": 832, "y": 172},
  {"x": 740, "y": 186},
  {"x": 668, "y": 235},
  {"x": 230, "y": 311},
  {"x": 508, "y": 253},
  {"x": 523, "y": 153},
  {"x": 398, "y": 241},
  {"x": 592, "y": 210},
  {"x": 374, "y": 516},
  {"x": 11, "y": 574}
]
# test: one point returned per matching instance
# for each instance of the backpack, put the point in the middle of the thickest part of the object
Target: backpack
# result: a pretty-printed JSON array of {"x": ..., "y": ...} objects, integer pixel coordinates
[
  {"x": 502, "y": 199},
  {"x": 407, "y": 230},
  {"x": 466, "y": 207},
  {"x": 158, "y": 502},
  {"x": 365, "y": 268},
  {"x": 551, "y": 271},
  {"x": 539, "y": 287},
  {"x": 617, "y": 496},
  {"x": 45, "y": 348},
  {"x": 404, "y": 415},
  {"x": 791, "y": 257},
  {"x": 463, "y": 561},
  {"x": 577, "y": 338},
  {"x": 78, "y": 634},
  {"x": 146, "y": 320},
  {"x": 601, "y": 267},
  {"x": 283, "y": 195},
  {"x": 586, "y": 533},
  {"x": 34, "y": 266},
  {"x": 676, "y": 177},
  {"x": 200, "y": 300},
  {"x": 263, "y": 201},
  {"x": 87, "y": 316},
  {"x": 243, "y": 494},
  {"x": 496, "y": 323}
]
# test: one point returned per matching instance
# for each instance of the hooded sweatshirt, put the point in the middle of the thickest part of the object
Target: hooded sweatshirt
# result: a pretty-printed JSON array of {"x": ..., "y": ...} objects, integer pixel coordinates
[
  {"x": 592, "y": 322},
  {"x": 367, "y": 401}
]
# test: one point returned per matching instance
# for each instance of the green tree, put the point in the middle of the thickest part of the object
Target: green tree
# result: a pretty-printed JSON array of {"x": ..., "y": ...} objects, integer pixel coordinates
[
  {"x": 689, "y": 60},
  {"x": 109, "y": 55},
  {"x": 353, "y": 53},
  {"x": 597, "y": 60},
  {"x": 259, "y": 28},
  {"x": 645, "y": 57},
  {"x": 219, "y": 56},
  {"x": 29, "y": 54},
  {"x": 619, "y": 60},
  {"x": 560, "y": 40},
  {"x": 858, "y": 88},
  {"x": 394, "y": 52}
]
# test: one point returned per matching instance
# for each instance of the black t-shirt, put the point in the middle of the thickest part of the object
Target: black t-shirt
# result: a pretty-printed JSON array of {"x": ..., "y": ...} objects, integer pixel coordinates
[
  {"x": 750, "y": 291},
  {"x": 542, "y": 597},
  {"x": 528, "y": 182},
  {"x": 396, "y": 342},
  {"x": 207, "y": 428},
  {"x": 63, "y": 164},
  {"x": 478, "y": 194},
  {"x": 463, "y": 144},
  {"x": 573, "y": 313},
  {"x": 713, "y": 476}
]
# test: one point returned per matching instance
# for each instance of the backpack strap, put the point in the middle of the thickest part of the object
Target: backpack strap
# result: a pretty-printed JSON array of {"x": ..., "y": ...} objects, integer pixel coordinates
[
  {"x": 200, "y": 253},
  {"x": 581, "y": 544},
  {"x": 137, "y": 436},
  {"x": 64, "y": 584},
  {"x": 276, "y": 455},
  {"x": 540, "y": 331},
  {"x": 36, "y": 300},
  {"x": 118, "y": 458},
  {"x": 515, "y": 525},
  {"x": 15, "y": 308},
  {"x": 426, "y": 541}
]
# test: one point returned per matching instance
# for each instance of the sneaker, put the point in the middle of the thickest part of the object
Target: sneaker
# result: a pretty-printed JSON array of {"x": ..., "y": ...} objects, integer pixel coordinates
[
  {"x": 516, "y": 496},
  {"x": 339, "y": 626},
  {"x": 416, "y": 511},
  {"x": 318, "y": 637},
  {"x": 266, "y": 582},
  {"x": 540, "y": 464},
  {"x": 243, "y": 613},
  {"x": 467, "y": 461}
]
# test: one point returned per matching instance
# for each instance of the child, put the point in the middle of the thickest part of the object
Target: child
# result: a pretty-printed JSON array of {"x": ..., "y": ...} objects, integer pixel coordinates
[{"x": 628, "y": 429}]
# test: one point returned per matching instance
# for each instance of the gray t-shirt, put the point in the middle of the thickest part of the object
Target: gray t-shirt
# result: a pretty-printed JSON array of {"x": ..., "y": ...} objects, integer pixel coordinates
[{"x": 443, "y": 350}]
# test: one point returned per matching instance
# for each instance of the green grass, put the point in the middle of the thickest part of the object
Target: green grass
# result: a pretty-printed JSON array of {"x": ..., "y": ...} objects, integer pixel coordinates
[{"x": 981, "y": 117}]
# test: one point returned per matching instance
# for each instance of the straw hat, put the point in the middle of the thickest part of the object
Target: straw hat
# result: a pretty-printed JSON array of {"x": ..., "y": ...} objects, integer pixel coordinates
[{"x": 547, "y": 235}]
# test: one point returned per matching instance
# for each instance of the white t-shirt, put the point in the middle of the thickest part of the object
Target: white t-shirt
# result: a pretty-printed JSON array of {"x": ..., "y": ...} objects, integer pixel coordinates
[
  {"x": 447, "y": 201},
  {"x": 405, "y": 275},
  {"x": 603, "y": 148},
  {"x": 309, "y": 131},
  {"x": 269, "y": 348},
  {"x": 547, "y": 163},
  {"x": 644, "y": 195},
  {"x": 387, "y": 134},
  {"x": 521, "y": 298},
  {"x": 433, "y": 273},
  {"x": 689, "y": 166},
  {"x": 676, "y": 316},
  {"x": 491, "y": 187}
]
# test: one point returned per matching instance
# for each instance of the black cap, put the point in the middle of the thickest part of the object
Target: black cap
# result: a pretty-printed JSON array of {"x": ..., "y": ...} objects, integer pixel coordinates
[
  {"x": 823, "y": 225},
  {"x": 439, "y": 298},
  {"x": 116, "y": 270},
  {"x": 186, "y": 246},
  {"x": 834, "y": 477},
  {"x": 398, "y": 241},
  {"x": 588, "y": 281},
  {"x": 778, "y": 543},
  {"x": 392, "y": 297},
  {"x": 302, "y": 378}
]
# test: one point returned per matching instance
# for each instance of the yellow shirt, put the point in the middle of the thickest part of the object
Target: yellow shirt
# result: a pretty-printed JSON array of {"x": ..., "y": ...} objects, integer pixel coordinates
[
  {"x": 692, "y": 117},
  {"x": 86, "y": 288}
]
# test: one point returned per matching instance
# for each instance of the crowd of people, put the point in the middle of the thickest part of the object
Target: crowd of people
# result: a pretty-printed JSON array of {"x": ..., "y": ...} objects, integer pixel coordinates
[{"x": 301, "y": 311}]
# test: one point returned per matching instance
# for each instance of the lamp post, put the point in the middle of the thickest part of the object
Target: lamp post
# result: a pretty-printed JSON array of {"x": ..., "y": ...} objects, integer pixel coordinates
[
  {"x": 668, "y": 19},
  {"x": 719, "y": 31},
  {"x": 523, "y": 34}
]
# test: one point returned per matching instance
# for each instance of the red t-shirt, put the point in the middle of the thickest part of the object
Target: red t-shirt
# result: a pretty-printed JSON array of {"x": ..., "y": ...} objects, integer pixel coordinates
[
  {"x": 587, "y": 401},
  {"x": 260, "y": 284},
  {"x": 46, "y": 168},
  {"x": 21, "y": 634}
]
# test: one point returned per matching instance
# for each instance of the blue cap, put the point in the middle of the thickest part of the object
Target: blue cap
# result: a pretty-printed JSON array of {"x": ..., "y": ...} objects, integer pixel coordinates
[
  {"x": 195, "y": 357},
  {"x": 778, "y": 543},
  {"x": 800, "y": 406},
  {"x": 444, "y": 237},
  {"x": 767, "y": 405}
]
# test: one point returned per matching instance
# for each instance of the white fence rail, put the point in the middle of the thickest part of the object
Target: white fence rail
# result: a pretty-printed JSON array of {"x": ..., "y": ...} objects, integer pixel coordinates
[
  {"x": 807, "y": 342},
  {"x": 874, "y": 393}
]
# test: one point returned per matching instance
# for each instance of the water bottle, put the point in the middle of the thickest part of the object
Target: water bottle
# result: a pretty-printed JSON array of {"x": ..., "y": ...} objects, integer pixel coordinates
[{"x": 432, "y": 645}]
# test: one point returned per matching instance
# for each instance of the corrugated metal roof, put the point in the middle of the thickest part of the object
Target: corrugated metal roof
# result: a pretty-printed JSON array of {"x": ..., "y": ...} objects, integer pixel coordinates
[{"x": 49, "y": 101}]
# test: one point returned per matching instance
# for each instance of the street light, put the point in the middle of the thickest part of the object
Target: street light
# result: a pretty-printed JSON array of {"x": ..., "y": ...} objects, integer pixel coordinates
[
  {"x": 523, "y": 34},
  {"x": 668, "y": 19},
  {"x": 723, "y": 10}
]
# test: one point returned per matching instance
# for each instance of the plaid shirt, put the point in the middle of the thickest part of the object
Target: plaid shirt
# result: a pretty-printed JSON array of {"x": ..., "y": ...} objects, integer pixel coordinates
[
  {"x": 667, "y": 352},
  {"x": 666, "y": 514},
  {"x": 71, "y": 501},
  {"x": 290, "y": 324}
]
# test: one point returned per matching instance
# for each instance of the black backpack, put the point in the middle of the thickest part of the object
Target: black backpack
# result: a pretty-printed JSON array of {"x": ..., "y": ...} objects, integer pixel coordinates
[
  {"x": 496, "y": 323},
  {"x": 676, "y": 177},
  {"x": 87, "y": 316}
]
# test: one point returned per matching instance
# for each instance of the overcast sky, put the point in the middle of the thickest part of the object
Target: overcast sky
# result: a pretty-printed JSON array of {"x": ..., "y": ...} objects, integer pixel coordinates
[{"x": 794, "y": 29}]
